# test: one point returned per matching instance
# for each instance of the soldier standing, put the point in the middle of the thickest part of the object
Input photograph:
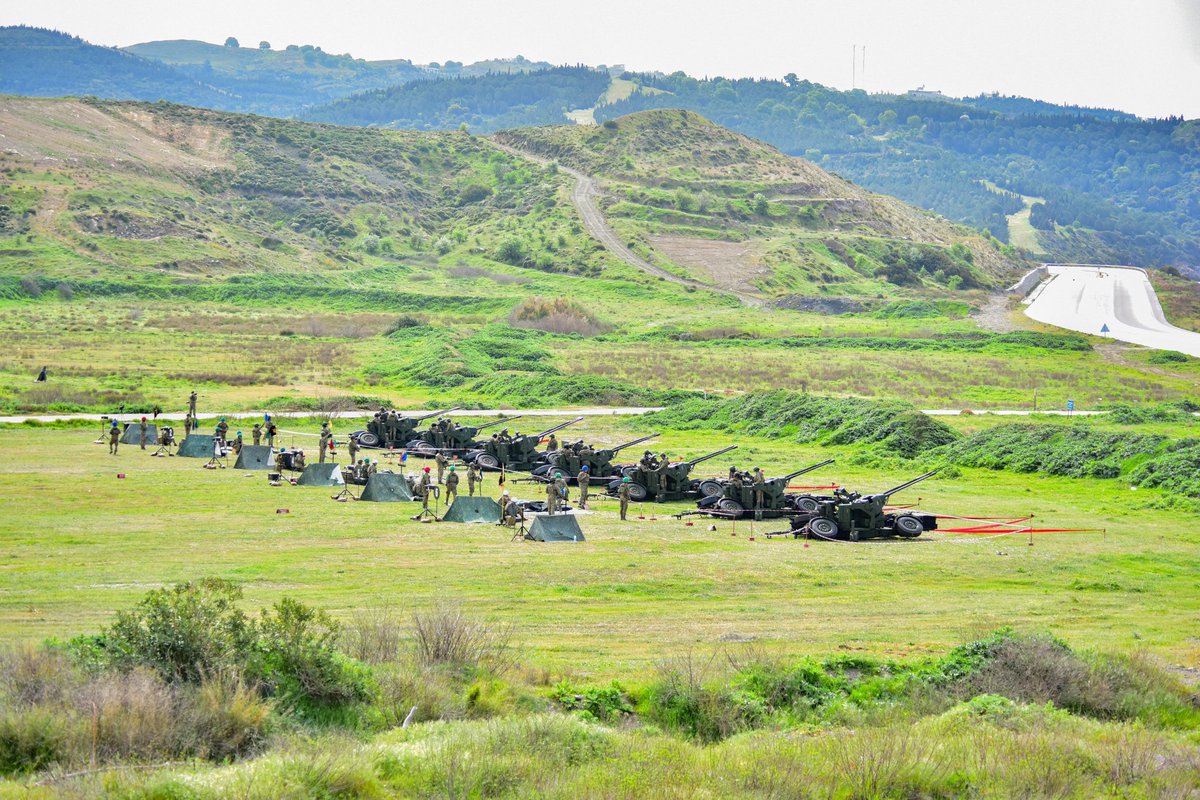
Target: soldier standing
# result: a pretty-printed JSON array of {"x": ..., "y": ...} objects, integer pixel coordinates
[
  {"x": 222, "y": 429},
  {"x": 585, "y": 476},
  {"x": 114, "y": 438},
  {"x": 451, "y": 486},
  {"x": 256, "y": 432},
  {"x": 561, "y": 484},
  {"x": 143, "y": 432},
  {"x": 423, "y": 485},
  {"x": 623, "y": 494},
  {"x": 271, "y": 431},
  {"x": 353, "y": 447},
  {"x": 663, "y": 463},
  {"x": 188, "y": 424},
  {"x": 553, "y": 443},
  {"x": 326, "y": 438},
  {"x": 474, "y": 477},
  {"x": 760, "y": 486},
  {"x": 237, "y": 443},
  {"x": 393, "y": 428},
  {"x": 441, "y": 461},
  {"x": 551, "y": 497},
  {"x": 732, "y": 473},
  {"x": 192, "y": 404}
]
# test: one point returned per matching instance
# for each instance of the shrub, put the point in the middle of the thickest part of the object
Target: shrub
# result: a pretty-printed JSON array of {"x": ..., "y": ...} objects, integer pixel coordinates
[
  {"x": 31, "y": 286},
  {"x": 446, "y": 635},
  {"x": 33, "y": 740},
  {"x": 604, "y": 703},
  {"x": 512, "y": 251},
  {"x": 31, "y": 676},
  {"x": 298, "y": 660},
  {"x": 227, "y": 719},
  {"x": 134, "y": 715},
  {"x": 559, "y": 315},
  {"x": 373, "y": 636},
  {"x": 182, "y": 633}
]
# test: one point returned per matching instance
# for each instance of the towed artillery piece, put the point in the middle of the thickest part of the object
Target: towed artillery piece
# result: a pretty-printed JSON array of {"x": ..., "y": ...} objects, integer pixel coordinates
[
  {"x": 453, "y": 438},
  {"x": 518, "y": 452},
  {"x": 387, "y": 431},
  {"x": 852, "y": 517},
  {"x": 570, "y": 460},
  {"x": 737, "y": 498},
  {"x": 644, "y": 484}
]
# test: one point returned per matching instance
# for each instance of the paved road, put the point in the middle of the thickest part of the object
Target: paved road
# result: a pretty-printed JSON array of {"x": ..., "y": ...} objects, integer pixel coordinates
[
  {"x": 535, "y": 412},
  {"x": 1088, "y": 298},
  {"x": 584, "y": 197}
]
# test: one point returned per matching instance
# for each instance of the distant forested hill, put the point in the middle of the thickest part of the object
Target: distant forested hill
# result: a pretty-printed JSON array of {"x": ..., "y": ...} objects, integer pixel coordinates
[
  {"x": 1132, "y": 184},
  {"x": 486, "y": 103},
  {"x": 39, "y": 62}
]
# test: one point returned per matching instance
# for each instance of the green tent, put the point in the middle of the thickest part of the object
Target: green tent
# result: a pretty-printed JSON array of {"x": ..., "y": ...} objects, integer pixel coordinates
[
  {"x": 473, "y": 509},
  {"x": 327, "y": 474},
  {"x": 557, "y": 528},
  {"x": 386, "y": 487},
  {"x": 255, "y": 456},
  {"x": 133, "y": 434},
  {"x": 197, "y": 445}
]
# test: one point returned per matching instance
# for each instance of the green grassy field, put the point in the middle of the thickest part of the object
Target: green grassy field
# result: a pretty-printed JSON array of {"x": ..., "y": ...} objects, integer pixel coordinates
[{"x": 82, "y": 544}]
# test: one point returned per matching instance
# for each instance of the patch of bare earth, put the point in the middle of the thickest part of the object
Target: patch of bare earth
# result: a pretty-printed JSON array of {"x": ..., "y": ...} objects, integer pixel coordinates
[
  {"x": 729, "y": 265},
  {"x": 70, "y": 132}
]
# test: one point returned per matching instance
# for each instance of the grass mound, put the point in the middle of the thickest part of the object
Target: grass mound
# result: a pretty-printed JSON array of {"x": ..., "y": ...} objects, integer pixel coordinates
[{"x": 891, "y": 426}]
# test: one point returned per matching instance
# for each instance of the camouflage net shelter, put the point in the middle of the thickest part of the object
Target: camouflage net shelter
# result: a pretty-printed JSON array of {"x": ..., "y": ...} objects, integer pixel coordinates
[
  {"x": 196, "y": 446},
  {"x": 327, "y": 474},
  {"x": 254, "y": 456},
  {"x": 557, "y": 528},
  {"x": 386, "y": 487},
  {"x": 473, "y": 509},
  {"x": 133, "y": 434}
]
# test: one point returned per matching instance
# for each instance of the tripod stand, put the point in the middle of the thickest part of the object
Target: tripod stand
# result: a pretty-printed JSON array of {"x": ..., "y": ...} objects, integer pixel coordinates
[
  {"x": 522, "y": 531},
  {"x": 163, "y": 450},
  {"x": 425, "y": 515}
]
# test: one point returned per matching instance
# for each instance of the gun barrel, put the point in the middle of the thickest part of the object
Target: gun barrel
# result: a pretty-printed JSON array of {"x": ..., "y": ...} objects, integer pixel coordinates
[
  {"x": 905, "y": 485},
  {"x": 618, "y": 448},
  {"x": 556, "y": 428},
  {"x": 800, "y": 472},
  {"x": 497, "y": 422},
  {"x": 433, "y": 414},
  {"x": 722, "y": 451}
]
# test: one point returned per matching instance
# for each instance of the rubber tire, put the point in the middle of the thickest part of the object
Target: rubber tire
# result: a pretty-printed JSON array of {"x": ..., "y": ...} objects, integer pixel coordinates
[
  {"x": 731, "y": 507},
  {"x": 710, "y": 487},
  {"x": 637, "y": 492},
  {"x": 424, "y": 449},
  {"x": 487, "y": 461},
  {"x": 804, "y": 503},
  {"x": 368, "y": 439},
  {"x": 823, "y": 528},
  {"x": 908, "y": 526}
]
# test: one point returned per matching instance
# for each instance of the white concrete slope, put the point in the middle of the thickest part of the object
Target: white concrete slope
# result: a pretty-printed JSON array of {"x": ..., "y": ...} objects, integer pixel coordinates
[{"x": 1090, "y": 298}]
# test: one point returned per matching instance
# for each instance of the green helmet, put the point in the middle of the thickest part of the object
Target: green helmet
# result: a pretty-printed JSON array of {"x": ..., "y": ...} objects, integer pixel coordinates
[
  {"x": 558, "y": 474},
  {"x": 452, "y": 469},
  {"x": 625, "y": 479}
]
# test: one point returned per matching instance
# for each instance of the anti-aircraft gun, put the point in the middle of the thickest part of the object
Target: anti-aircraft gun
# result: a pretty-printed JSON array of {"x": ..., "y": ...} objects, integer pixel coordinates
[
  {"x": 452, "y": 438},
  {"x": 569, "y": 460},
  {"x": 851, "y": 516},
  {"x": 738, "y": 499},
  {"x": 383, "y": 432},
  {"x": 644, "y": 484},
  {"x": 518, "y": 453}
]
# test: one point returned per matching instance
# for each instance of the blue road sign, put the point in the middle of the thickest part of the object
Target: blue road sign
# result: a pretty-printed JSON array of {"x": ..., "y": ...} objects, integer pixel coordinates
[
  {"x": 1104, "y": 328},
  {"x": 1070, "y": 405}
]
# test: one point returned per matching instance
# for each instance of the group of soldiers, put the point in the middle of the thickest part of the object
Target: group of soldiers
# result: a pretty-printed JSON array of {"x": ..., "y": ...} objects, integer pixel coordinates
[
  {"x": 649, "y": 465},
  {"x": 756, "y": 479}
]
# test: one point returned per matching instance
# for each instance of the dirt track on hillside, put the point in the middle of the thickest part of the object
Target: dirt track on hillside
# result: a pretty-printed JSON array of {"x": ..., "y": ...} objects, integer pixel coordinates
[{"x": 584, "y": 198}]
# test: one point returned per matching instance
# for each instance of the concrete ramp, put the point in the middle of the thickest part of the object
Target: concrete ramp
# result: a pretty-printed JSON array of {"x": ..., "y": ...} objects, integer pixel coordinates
[
  {"x": 559, "y": 528},
  {"x": 133, "y": 434},
  {"x": 386, "y": 487},
  {"x": 327, "y": 474},
  {"x": 197, "y": 445},
  {"x": 473, "y": 509},
  {"x": 254, "y": 456}
]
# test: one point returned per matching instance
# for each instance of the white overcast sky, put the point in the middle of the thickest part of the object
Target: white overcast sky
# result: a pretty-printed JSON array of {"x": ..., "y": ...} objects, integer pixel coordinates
[{"x": 1137, "y": 55}]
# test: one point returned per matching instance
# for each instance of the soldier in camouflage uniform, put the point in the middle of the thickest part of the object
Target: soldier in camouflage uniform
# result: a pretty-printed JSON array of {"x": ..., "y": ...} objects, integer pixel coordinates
[
  {"x": 584, "y": 478},
  {"x": 114, "y": 438},
  {"x": 451, "y": 487},
  {"x": 326, "y": 438}
]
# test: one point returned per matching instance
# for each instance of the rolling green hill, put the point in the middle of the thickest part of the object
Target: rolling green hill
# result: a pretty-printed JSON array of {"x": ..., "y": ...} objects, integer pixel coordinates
[{"x": 145, "y": 248}]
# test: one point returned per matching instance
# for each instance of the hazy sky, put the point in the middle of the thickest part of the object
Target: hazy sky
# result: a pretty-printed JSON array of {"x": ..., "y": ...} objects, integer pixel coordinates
[{"x": 1141, "y": 56}]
